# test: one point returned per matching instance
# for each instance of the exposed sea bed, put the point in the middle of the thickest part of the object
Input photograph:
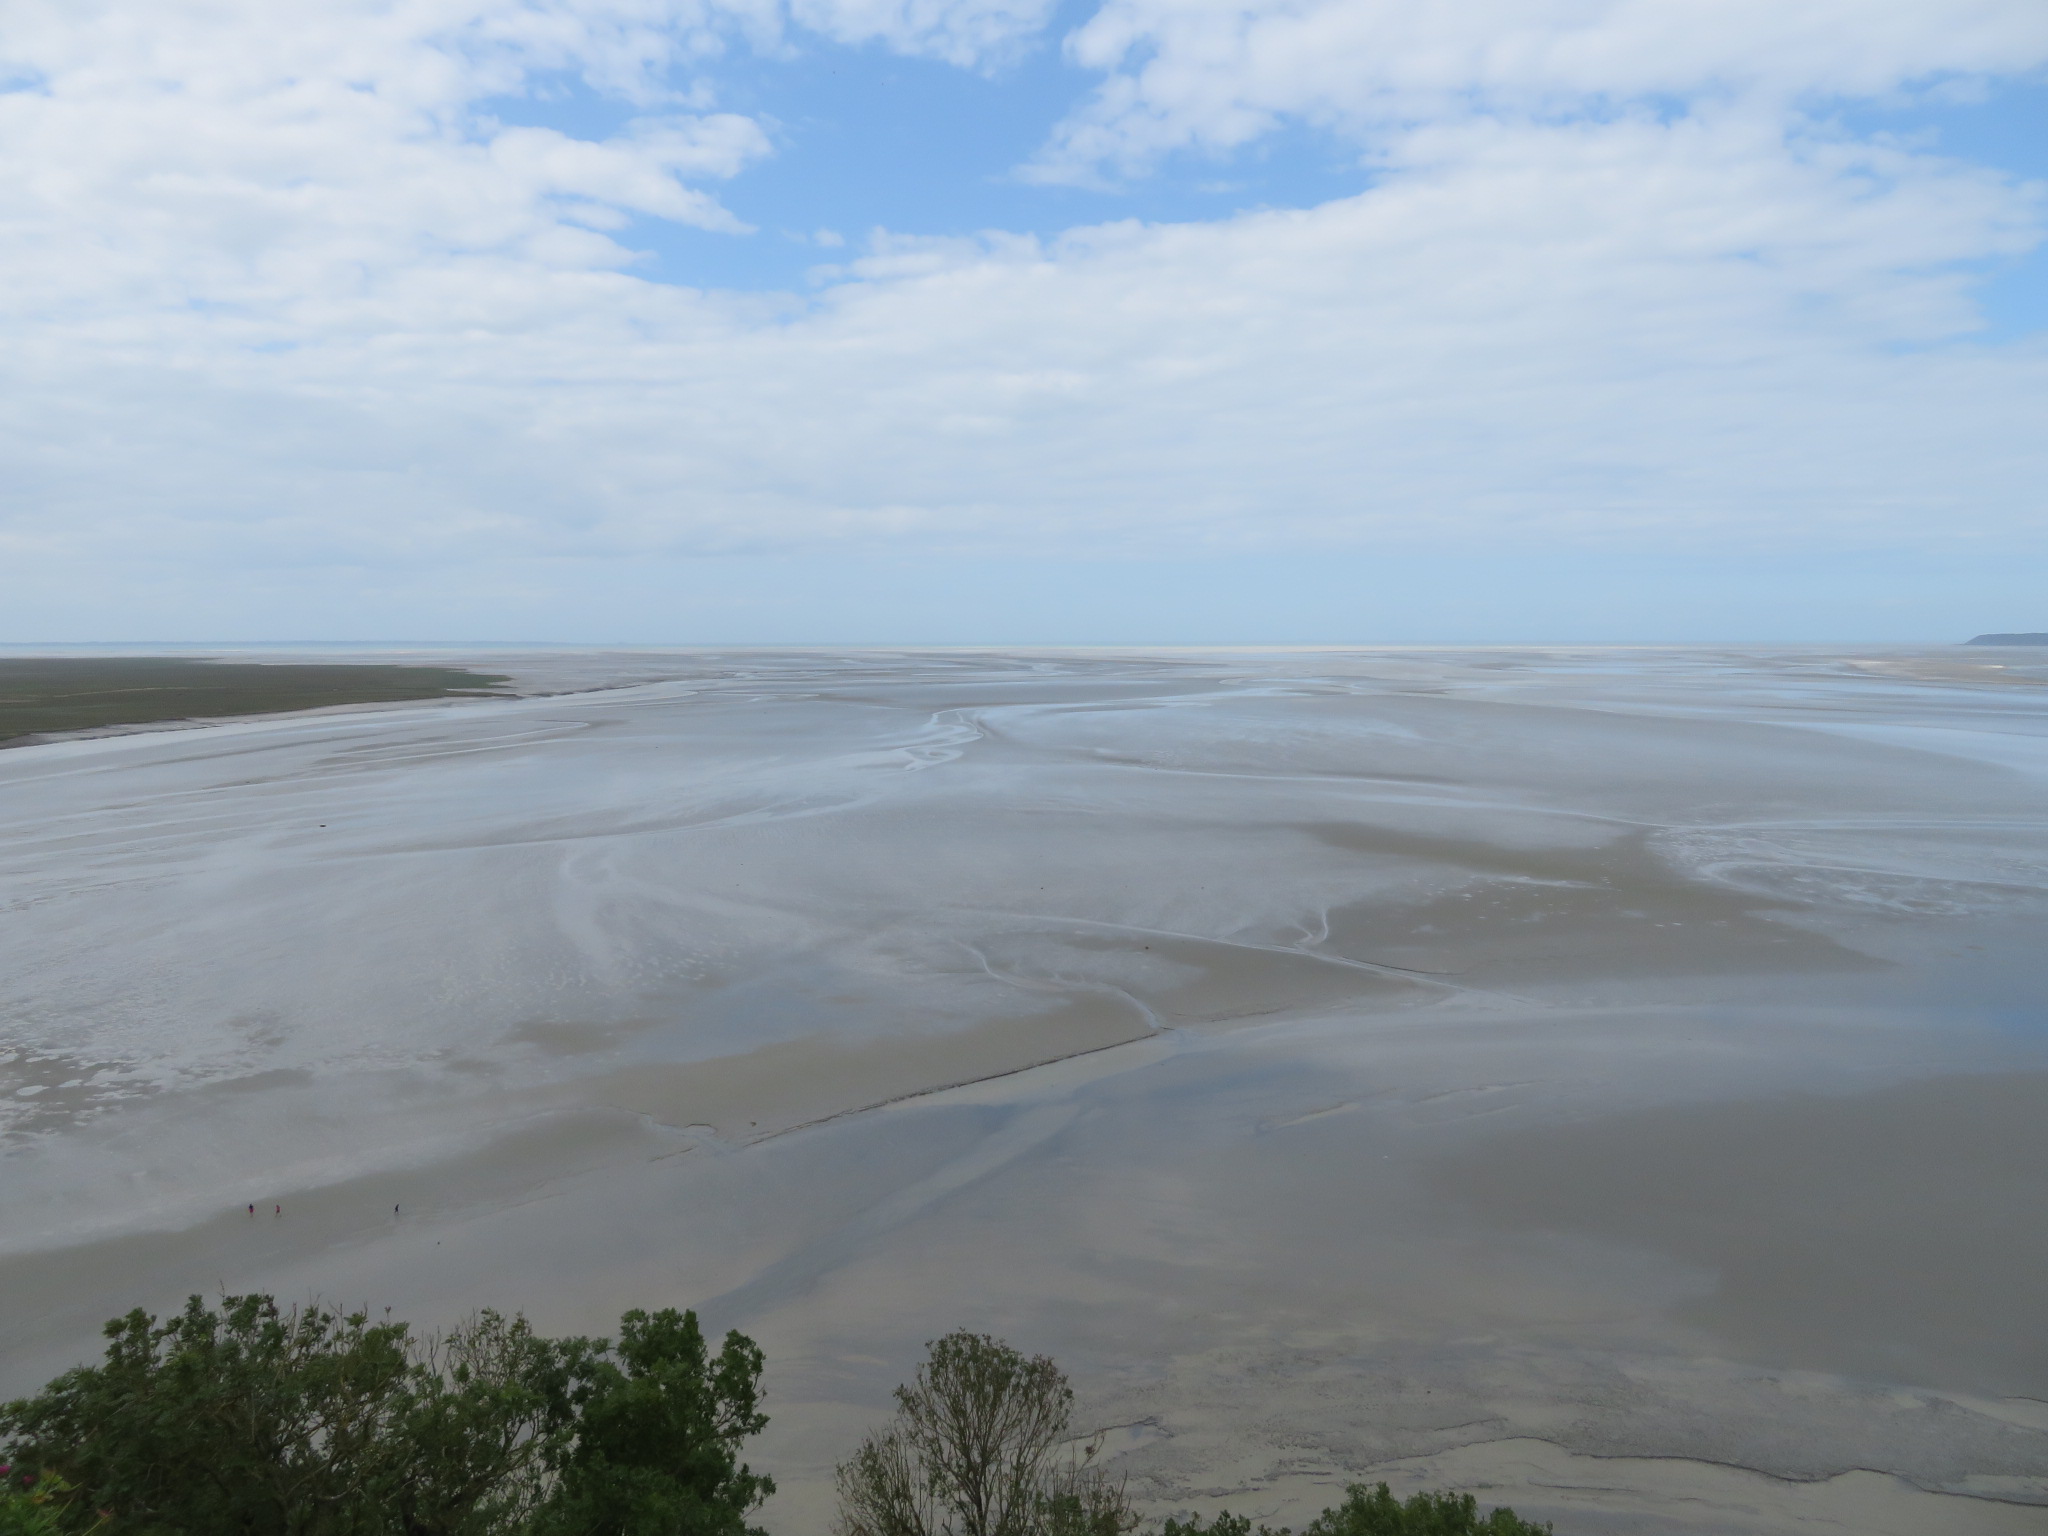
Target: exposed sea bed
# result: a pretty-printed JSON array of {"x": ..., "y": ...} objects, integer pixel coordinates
[{"x": 1605, "y": 1076}]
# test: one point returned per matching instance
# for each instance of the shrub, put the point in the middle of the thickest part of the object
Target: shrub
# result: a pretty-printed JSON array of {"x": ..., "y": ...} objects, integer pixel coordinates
[
  {"x": 1374, "y": 1511},
  {"x": 1225, "y": 1524},
  {"x": 34, "y": 1503}
]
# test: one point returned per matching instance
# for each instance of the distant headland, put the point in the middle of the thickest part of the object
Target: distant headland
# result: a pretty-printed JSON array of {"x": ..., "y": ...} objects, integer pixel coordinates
[
  {"x": 41, "y": 696},
  {"x": 2034, "y": 639}
]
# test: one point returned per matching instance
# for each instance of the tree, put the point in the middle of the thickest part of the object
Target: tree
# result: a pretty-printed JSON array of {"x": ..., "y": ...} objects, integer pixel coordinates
[
  {"x": 257, "y": 1421},
  {"x": 657, "y": 1445},
  {"x": 490, "y": 1416},
  {"x": 974, "y": 1450},
  {"x": 1374, "y": 1511},
  {"x": 249, "y": 1420}
]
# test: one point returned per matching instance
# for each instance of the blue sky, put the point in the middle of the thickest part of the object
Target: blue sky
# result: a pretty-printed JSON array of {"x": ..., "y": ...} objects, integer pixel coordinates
[
  {"x": 867, "y": 139},
  {"x": 2004, "y": 127},
  {"x": 1200, "y": 321}
]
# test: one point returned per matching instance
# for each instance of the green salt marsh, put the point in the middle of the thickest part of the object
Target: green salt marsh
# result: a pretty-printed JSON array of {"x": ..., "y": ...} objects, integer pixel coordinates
[{"x": 49, "y": 695}]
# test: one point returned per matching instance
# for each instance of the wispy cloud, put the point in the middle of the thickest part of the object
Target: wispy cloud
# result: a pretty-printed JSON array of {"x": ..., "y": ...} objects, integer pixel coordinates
[{"x": 1217, "y": 74}]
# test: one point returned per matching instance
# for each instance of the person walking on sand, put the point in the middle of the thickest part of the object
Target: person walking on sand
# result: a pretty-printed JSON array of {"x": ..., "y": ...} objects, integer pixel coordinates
[
  {"x": 278, "y": 1212},
  {"x": 252, "y": 1209}
]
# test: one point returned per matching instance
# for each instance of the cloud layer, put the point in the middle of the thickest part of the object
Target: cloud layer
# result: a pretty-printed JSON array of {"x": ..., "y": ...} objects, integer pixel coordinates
[
  {"x": 1222, "y": 73},
  {"x": 278, "y": 293}
]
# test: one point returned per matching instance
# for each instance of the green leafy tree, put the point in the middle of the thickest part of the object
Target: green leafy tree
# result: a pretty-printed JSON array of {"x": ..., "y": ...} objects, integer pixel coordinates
[
  {"x": 1374, "y": 1511},
  {"x": 657, "y": 1446},
  {"x": 258, "y": 1421},
  {"x": 248, "y": 1420},
  {"x": 489, "y": 1415},
  {"x": 1225, "y": 1524}
]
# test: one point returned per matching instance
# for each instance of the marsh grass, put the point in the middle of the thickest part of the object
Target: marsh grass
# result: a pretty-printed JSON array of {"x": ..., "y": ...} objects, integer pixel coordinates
[{"x": 41, "y": 696}]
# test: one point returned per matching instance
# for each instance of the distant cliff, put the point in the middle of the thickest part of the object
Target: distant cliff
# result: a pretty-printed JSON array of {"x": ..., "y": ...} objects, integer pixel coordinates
[{"x": 2037, "y": 639}]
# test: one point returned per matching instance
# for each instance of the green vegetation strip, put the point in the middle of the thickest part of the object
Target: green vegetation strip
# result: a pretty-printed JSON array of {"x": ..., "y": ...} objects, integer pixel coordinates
[
  {"x": 40, "y": 696},
  {"x": 258, "y": 1420}
]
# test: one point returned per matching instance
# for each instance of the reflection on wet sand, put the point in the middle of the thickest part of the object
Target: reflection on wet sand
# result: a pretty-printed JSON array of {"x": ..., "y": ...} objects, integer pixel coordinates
[{"x": 1609, "y": 1079}]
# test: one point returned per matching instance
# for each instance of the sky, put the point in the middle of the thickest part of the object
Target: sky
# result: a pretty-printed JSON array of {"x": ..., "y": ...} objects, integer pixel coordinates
[{"x": 1023, "y": 321}]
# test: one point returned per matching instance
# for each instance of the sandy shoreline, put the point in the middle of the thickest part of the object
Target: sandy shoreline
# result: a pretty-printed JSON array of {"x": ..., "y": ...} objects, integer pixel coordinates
[{"x": 1604, "y": 1080}]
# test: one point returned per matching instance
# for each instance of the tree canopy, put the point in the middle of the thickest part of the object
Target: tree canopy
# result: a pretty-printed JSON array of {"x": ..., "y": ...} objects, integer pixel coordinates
[
  {"x": 976, "y": 1449},
  {"x": 1374, "y": 1511},
  {"x": 254, "y": 1420}
]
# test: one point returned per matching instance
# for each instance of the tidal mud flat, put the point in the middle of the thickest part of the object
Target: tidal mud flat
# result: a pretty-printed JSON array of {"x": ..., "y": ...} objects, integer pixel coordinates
[{"x": 1613, "y": 1081}]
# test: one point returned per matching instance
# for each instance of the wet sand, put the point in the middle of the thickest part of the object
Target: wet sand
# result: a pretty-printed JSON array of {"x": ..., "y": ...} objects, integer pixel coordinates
[
  {"x": 1881, "y": 1234},
  {"x": 1608, "y": 1080}
]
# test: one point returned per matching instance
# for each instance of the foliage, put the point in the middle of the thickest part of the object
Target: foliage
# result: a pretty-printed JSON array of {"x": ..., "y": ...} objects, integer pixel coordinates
[
  {"x": 1225, "y": 1524},
  {"x": 1375, "y": 1511},
  {"x": 32, "y": 1503},
  {"x": 974, "y": 1450},
  {"x": 257, "y": 1421},
  {"x": 656, "y": 1451},
  {"x": 41, "y": 694}
]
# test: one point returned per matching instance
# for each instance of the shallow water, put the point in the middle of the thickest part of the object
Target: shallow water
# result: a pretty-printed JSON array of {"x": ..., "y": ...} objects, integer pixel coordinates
[{"x": 1341, "y": 1060}]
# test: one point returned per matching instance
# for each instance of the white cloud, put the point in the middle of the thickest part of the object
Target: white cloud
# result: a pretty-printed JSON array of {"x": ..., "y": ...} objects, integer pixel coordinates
[
  {"x": 964, "y": 32},
  {"x": 291, "y": 297},
  {"x": 1628, "y": 331},
  {"x": 237, "y": 153},
  {"x": 1217, "y": 74},
  {"x": 637, "y": 170},
  {"x": 233, "y": 155}
]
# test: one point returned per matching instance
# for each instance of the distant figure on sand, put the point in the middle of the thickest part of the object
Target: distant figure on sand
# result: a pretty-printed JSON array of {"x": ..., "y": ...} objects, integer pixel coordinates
[
  {"x": 278, "y": 1212},
  {"x": 252, "y": 1209},
  {"x": 394, "y": 1210}
]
